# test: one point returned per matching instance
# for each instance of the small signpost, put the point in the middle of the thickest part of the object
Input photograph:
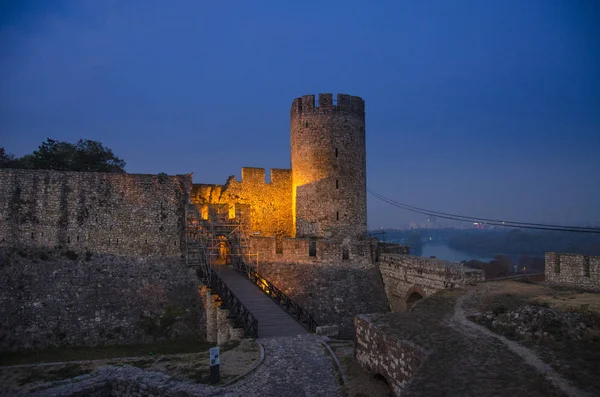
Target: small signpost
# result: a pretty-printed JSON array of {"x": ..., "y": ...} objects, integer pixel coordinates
[{"x": 214, "y": 365}]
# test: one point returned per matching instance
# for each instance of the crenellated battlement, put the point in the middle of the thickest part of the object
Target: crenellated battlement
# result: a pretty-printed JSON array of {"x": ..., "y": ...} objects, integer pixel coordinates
[
  {"x": 326, "y": 104},
  {"x": 253, "y": 175},
  {"x": 257, "y": 175}
]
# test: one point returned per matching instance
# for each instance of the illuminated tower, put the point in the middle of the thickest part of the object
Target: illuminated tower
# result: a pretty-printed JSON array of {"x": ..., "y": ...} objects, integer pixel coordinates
[{"x": 329, "y": 166}]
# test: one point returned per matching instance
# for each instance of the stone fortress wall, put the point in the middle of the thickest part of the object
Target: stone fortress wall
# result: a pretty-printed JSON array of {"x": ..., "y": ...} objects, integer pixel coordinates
[
  {"x": 49, "y": 299},
  {"x": 116, "y": 267},
  {"x": 122, "y": 214},
  {"x": 329, "y": 166},
  {"x": 266, "y": 206},
  {"x": 581, "y": 271}
]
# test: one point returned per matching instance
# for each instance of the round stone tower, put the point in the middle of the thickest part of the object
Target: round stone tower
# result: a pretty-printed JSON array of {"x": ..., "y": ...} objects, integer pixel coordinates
[{"x": 329, "y": 166}]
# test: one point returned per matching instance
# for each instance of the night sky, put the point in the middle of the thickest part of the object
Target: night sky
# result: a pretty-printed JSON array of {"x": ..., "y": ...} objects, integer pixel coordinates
[{"x": 482, "y": 108}]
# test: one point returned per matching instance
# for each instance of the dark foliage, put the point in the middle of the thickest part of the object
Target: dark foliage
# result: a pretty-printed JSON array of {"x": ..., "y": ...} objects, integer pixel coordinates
[{"x": 85, "y": 155}]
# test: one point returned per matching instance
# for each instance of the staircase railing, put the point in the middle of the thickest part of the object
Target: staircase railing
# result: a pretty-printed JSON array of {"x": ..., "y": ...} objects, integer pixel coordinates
[
  {"x": 240, "y": 314},
  {"x": 301, "y": 315},
  {"x": 196, "y": 256}
]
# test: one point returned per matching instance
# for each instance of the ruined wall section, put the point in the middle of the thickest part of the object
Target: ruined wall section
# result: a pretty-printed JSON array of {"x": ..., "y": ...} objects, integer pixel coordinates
[
  {"x": 377, "y": 352},
  {"x": 123, "y": 214},
  {"x": 404, "y": 275},
  {"x": 267, "y": 207},
  {"x": 329, "y": 166},
  {"x": 52, "y": 298},
  {"x": 581, "y": 271}
]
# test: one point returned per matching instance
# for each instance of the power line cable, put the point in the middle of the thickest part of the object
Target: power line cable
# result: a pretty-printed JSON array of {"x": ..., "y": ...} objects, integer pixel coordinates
[
  {"x": 493, "y": 222},
  {"x": 486, "y": 219}
]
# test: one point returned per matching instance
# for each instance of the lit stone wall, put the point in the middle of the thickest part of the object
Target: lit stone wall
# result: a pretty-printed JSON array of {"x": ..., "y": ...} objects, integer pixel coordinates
[
  {"x": 378, "y": 352},
  {"x": 404, "y": 275},
  {"x": 123, "y": 214},
  {"x": 53, "y": 298},
  {"x": 297, "y": 250},
  {"x": 267, "y": 205},
  {"x": 335, "y": 293},
  {"x": 329, "y": 166},
  {"x": 576, "y": 270}
]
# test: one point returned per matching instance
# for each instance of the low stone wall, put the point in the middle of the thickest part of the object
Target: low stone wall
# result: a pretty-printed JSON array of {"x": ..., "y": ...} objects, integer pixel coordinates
[
  {"x": 52, "y": 298},
  {"x": 378, "y": 353},
  {"x": 575, "y": 270},
  {"x": 334, "y": 293},
  {"x": 405, "y": 275}
]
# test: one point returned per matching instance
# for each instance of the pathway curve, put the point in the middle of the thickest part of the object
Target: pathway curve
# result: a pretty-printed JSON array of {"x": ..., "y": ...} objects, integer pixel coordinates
[{"x": 525, "y": 353}]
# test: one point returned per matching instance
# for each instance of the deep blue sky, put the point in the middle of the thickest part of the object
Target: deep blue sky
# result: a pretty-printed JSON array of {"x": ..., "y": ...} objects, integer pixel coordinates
[{"x": 485, "y": 108}]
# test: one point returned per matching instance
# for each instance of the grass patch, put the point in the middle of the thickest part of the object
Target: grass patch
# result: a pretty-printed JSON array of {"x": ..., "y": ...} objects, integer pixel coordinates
[
  {"x": 46, "y": 375},
  {"x": 98, "y": 353}
]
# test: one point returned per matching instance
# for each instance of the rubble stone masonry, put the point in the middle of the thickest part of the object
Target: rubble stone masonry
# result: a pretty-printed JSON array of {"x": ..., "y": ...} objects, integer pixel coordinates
[
  {"x": 122, "y": 214},
  {"x": 575, "y": 270},
  {"x": 53, "y": 298},
  {"x": 329, "y": 166},
  {"x": 335, "y": 293},
  {"x": 380, "y": 353}
]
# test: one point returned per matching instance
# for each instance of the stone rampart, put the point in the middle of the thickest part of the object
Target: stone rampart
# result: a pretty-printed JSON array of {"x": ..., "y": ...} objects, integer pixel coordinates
[
  {"x": 55, "y": 298},
  {"x": 576, "y": 270},
  {"x": 408, "y": 278},
  {"x": 267, "y": 205},
  {"x": 311, "y": 251},
  {"x": 334, "y": 293},
  {"x": 379, "y": 353},
  {"x": 122, "y": 214}
]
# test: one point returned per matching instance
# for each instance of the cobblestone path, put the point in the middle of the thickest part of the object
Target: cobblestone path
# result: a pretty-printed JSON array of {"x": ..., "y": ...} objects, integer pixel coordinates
[{"x": 294, "y": 366}]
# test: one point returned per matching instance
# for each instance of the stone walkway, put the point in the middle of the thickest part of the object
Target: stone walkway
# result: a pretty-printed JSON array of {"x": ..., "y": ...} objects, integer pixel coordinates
[
  {"x": 294, "y": 366},
  {"x": 272, "y": 319}
]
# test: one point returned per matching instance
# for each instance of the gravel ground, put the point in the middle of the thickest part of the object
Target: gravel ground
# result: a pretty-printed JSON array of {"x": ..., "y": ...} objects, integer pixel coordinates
[{"x": 463, "y": 362}]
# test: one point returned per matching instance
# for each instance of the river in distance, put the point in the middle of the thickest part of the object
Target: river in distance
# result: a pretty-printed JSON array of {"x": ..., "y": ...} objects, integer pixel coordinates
[{"x": 441, "y": 251}]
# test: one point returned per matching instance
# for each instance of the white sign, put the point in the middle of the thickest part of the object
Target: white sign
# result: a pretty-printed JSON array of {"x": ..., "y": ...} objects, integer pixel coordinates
[{"x": 214, "y": 356}]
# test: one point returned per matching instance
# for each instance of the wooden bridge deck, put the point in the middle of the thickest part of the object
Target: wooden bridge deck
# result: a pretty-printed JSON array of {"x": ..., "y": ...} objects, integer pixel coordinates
[{"x": 273, "y": 320}]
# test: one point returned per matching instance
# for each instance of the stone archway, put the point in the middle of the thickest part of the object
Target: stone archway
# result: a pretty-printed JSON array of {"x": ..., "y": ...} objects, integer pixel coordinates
[{"x": 413, "y": 295}]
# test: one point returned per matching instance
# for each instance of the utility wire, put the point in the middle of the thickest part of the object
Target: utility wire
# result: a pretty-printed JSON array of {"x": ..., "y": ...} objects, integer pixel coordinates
[
  {"x": 493, "y": 222},
  {"x": 481, "y": 220}
]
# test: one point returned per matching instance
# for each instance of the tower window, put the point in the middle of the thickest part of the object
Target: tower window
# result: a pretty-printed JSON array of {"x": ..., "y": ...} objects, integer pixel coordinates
[
  {"x": 337, "y": 184},
  {"x": 312, "y": 247},
  {"x": 306, "y": 124},
  {"x": 337, "y": 216},
  {"x": 336, "y": 152},
  {"x": 345, "y": 253}
]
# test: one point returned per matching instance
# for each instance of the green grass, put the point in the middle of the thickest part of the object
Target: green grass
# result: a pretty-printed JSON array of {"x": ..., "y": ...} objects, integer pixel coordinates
[{"x": 97, "y": 353}]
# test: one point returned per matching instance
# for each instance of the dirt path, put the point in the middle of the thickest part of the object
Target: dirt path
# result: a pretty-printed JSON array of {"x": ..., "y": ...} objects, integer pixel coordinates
[{"x": 526, "y": 354}]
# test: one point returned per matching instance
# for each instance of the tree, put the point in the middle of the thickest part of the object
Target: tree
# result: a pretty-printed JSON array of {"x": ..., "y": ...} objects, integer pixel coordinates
[
  {"x": 5, "y": 158},
  {"x": 85, "y": 155}
]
